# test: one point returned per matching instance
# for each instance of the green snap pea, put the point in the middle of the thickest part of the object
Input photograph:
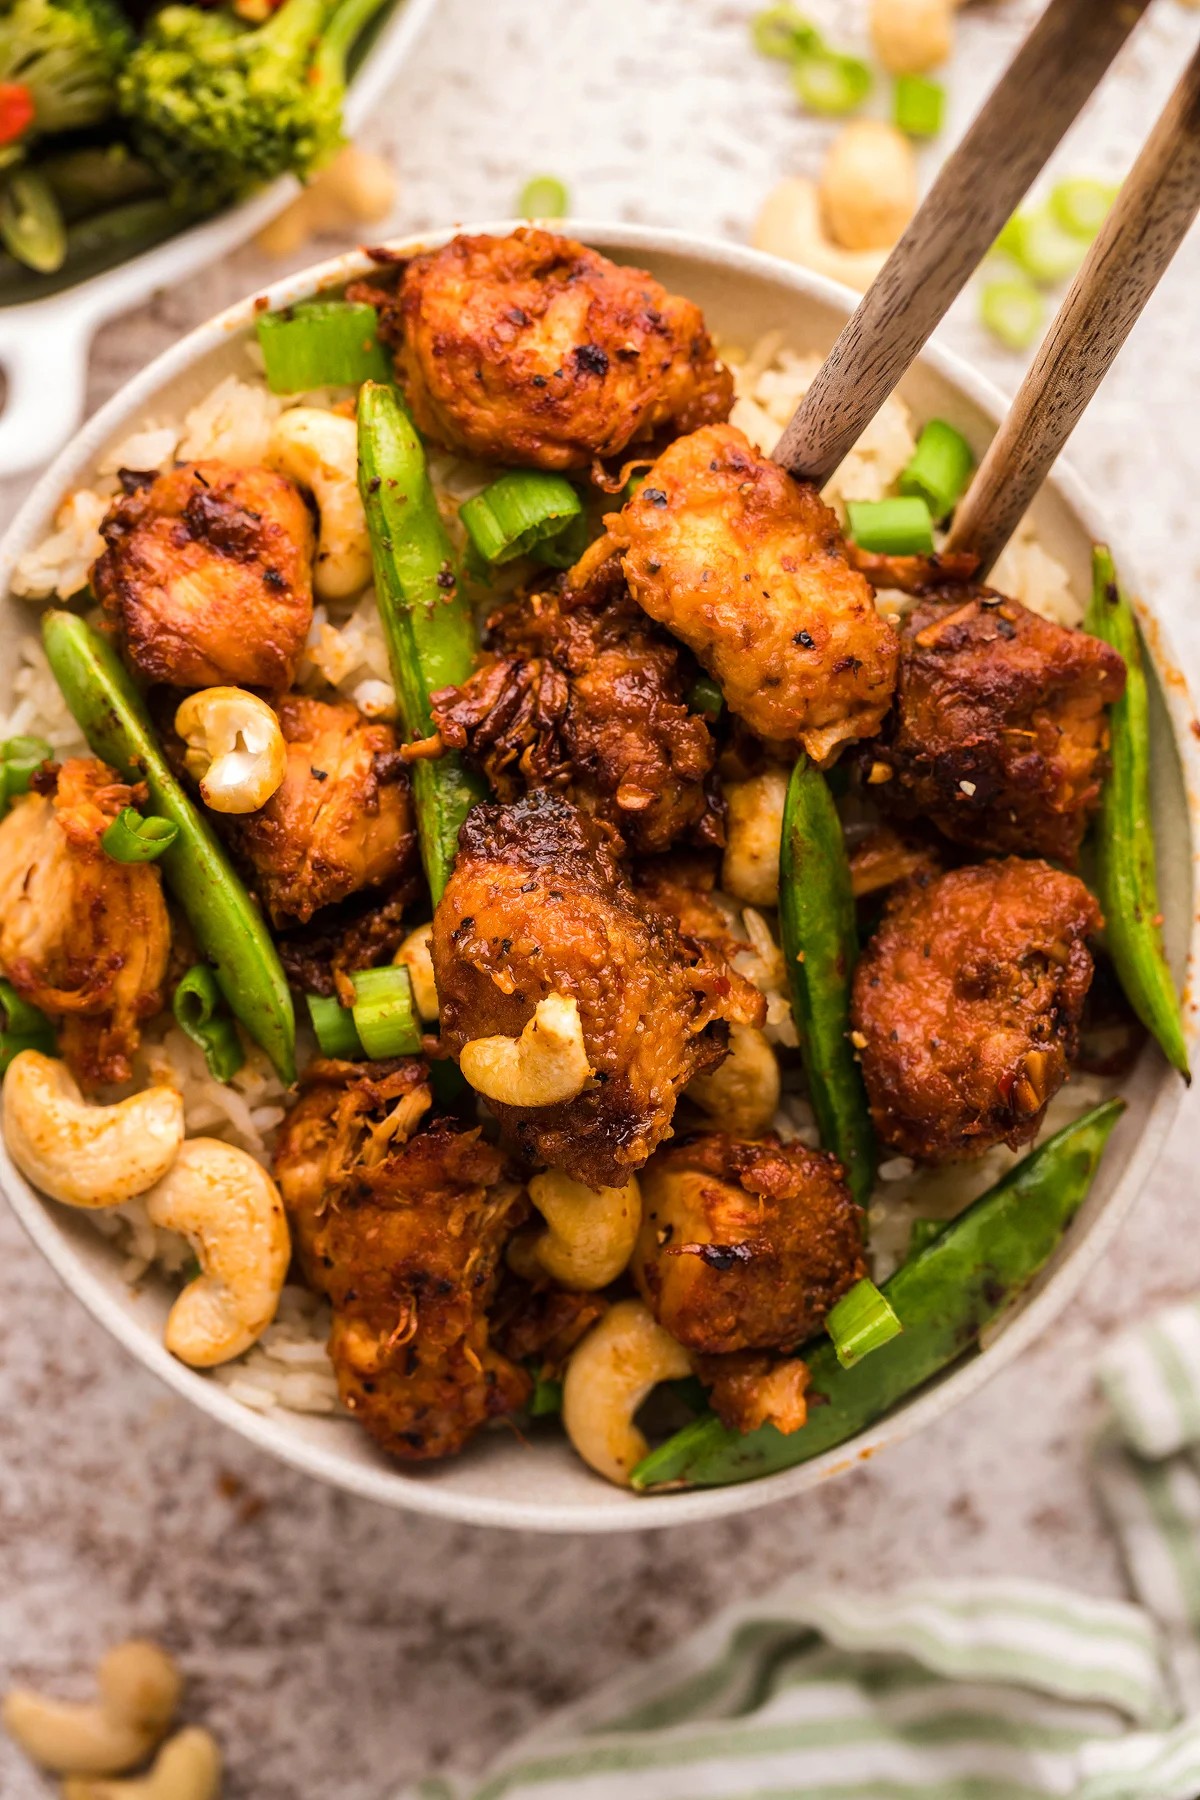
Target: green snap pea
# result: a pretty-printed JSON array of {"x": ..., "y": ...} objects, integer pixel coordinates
[
  {"x": 820, "y": 948},
  {"x": 228, "y": 928},
  {"x": 426, "y": 620},
  {"x": 1126, "y": 878},
  {"x": 943, "y": 1297}
]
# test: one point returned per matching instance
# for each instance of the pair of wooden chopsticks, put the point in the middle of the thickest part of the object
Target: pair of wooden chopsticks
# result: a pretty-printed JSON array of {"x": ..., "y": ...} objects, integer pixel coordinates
[{"x": 1043, "y": 90}]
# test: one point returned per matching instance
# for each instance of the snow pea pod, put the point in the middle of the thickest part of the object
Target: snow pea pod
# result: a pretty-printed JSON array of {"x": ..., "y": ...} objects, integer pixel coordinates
[
  {"x": 1126, "y": 878},
  {"x": 427, "y": 623},
  {"x": 820, "y": 949},
  {"x": 943, "y": 1297},
  {"x": 227, "y": 926}
]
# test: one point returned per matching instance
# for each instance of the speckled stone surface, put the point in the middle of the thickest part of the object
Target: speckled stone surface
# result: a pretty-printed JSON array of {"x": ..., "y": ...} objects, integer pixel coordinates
[{"x": 337, "y": 1649}]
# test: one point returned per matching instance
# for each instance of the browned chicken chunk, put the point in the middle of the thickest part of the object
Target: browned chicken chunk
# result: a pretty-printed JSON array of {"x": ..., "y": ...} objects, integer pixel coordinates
[
  {"x": 966, "y": 1006},
  {"x": 749, "y": 568},
  {"x": 745, "y": 1246},
  {"x": 401, "y": 1223},
  {"x": 750, "y": 1388},
  {"x": 585, "y": 696},
  {"x": 207, "y": 576},
  {"x": 83, "y": 937},
  {"x": 532, "y": 349},
  {"x": 1000, "y": 732},
  {"x": 342, "y": 820},
  {"x": 538, "y": 906}
]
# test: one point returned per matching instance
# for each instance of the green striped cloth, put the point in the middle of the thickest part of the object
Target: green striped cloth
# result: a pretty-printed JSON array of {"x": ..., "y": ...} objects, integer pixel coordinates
[{"x": 946, "y": 1690}]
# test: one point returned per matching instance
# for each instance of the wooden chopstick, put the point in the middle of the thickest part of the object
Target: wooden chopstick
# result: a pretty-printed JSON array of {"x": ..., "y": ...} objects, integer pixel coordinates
[
  {"x": 1149, "y": 220},
  {"x": 1043, "y": 90}
]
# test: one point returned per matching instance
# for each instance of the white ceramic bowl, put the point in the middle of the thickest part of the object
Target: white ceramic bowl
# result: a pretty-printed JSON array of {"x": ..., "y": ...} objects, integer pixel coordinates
[
  {"x": 44, "y": 344},
  {"x": 501, "y": 1481}
]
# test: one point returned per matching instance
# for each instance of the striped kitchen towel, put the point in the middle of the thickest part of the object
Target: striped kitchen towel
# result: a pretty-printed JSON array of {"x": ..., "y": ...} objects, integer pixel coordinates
[{"x": 946, "y": 1690}]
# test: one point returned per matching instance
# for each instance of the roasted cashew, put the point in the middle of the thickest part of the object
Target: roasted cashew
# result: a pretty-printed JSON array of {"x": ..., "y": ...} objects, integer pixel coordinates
[
  {"x": 741, "y": 1095},
  {"x": 83, "y": 1154},
  {"x": 415, "y": 956},
  {"x": 753, "y": 830},
  {"x": 319, "y": 451},
  {"x": 546, "y": 1064},
  {"x": 356, "y": 185},
  {"x": 235, "y": 748},
  {"x": 868, "y": 185},
  {"x": 590, "y": 1231},
  {"x": 188, "y": 1767},
  {"x": 910, "y": 37},
  {"x": 790, "y": 225},
  {"x": 139, "y": 1687},
  {"x": 608, "y": 1377},
  {"x": 229, "y": 1209}
]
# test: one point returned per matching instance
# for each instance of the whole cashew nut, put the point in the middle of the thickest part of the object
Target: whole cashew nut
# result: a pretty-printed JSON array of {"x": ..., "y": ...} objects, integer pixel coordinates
[
  {"x": 188, "y": 1767},
  {"x": 546, "y": 1064},
  {"x": 82, "y": 1154},
  {"x": 790, "y": 225},
  {"x": 229, "y": 1209},
  {"x": 868, "y": 185},
  {"x": 414, "y": 955},
  {"x": 753, "y": 830},
  {"x": 319, "y": 451},
  {"x": 590, "y": 1232},
  {"x": 910, "y": 37},
  {"x": 235, "y": 748},
  {"x": 608, "y": 1377},
  {"x": 139, "y": 1687},
  {"x": 740, "y": 1095}
]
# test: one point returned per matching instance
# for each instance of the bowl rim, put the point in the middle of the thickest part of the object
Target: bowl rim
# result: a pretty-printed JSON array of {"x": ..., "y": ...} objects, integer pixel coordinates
[{"x": 389, "y": 1485}]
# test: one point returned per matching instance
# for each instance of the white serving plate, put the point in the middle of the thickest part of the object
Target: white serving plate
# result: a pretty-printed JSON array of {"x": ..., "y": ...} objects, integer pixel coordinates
[
  {"x": 45, "y": 344},
  {"x": 541, "y": 1485}
]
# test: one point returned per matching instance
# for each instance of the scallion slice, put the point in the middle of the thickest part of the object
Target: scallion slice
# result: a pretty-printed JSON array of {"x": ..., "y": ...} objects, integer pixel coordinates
[
  {"x": 200, "y": 1011},
  {"x": 384, "y": 1014},
  {"x": 900, "y": 527},
  {"x": 1013, "y": 311},
  {"x": 546, "y": 1399},
  {"x": 322, "y": 343},
  {"x": 21, "y": 757},
  {"x": 830, "y": 83},
  {"x": 861, "y": 1321},
  {"x": 1080, "y": 204},
  {"x": 706, "y": 697},
  {"x": 940, "y": 468},
  {"x": 522, "y": 509},
  {"x": 24, "y": 1028},
  {"x": 543, "y": 197},
  {"x": 334, "y": 1026},
  {"x": 918, "y": 106},
  {"x": 783, "y": 32},
  {"x": 564, "y": 550},
  {"x": 134, "y": 839},
  {"x": 1040, "y": 247}
]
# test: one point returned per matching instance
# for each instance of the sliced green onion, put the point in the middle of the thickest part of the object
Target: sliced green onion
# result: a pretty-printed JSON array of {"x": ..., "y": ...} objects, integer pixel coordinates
[
  {"x": 544, "y": 197},
  {"x": 1081, "y": 204},
  {"x": 923, "y": 1233},
  {"x": 22, "y": 757},
  {"x": 334, "y": 1026},
  {"x": 830, "y": 83},
  {"x": 24, "y": 1028},
  {"x": 861, "y": 1321},
  {"x": 1040, "y": 247},
  {"x": 1013, "y": 311},
  {"x": 940, "y": 468},
  {"x": 546, "y": 1399},
  {"x": 200, "y": 1011},
  {"x": 899, "y": 527},
  {"x": 322, "y": 343},
  {"x": 564, "y": 550},
  {"x": 31, "y": 222},
  {"x": 522, "y": 509},
  {"x": 783, "y": 32},
  {"x": 918, "y": 106},
  {"x": 134, "y": 839},
  {"x": 706, "y": 697},
  {"x": 384, "y": 1014}
]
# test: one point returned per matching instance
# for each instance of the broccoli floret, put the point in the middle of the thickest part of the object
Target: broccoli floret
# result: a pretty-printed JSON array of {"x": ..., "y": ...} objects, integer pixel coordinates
[
  {"x": 58, "y": 64},
  {"x": 218, "y": 109}
]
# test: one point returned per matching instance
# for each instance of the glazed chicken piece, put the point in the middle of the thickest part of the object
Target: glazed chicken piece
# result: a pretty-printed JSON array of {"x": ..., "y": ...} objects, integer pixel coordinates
[
  {"x": 531, "y": 349},
  {"x": 83, "y": 937},
  {"x": 207, "y": 576},
  {"x": 751, "y": 1388},
  {"x": 745, "y": 1246},
  {"x": 538, "y": 906},
  {"x": 342, "y": 820},
  {"x": 1000, "y": 732},
  {"x": 884, "y": 857},
  {"x": 966, "y": 1006},
  {"x": 585, "y": 696},
  {"x": 542, "y": 1324},
  {"x": 401, "y": 1223},
  {"x": 748, "y": 567}
]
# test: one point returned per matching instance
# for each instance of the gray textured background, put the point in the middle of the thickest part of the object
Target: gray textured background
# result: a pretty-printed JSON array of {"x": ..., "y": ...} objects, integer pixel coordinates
[{"x": 337, "y": 1649}]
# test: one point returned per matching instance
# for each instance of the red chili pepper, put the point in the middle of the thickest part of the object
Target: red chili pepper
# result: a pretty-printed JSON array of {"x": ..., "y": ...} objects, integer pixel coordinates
[{"x": 16, "y": 110}]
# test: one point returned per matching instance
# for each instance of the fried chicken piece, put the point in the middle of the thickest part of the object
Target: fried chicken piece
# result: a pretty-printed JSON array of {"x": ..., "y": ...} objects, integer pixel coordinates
[
  {"x": 83, "y": 937},
  {"x": 207, "y": 576},
  {"x": 885, "y": 857},
  {"x": 532, "y": 349},
  {"x": 682, "y": 885},
  {"x": 343, "y": 819},
  {"x": 966, "y": 1003},
  {"x": 1000, "y": 733},
  {"x": 542, "y": 1323},
  {"x": 537, "y": 905},
  {"x": 320, "y": 957},
  {"x": 585, "y": 696},
  {"x": 745, "y": 1246},
  {"x": 749, "y": 1388},
  {"x": 749, "y": 568},
  {"x": 402, "y": 1224}
]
